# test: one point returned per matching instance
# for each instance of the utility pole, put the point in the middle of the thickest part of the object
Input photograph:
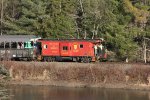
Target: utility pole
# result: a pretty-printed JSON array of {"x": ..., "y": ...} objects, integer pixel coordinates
[{"x": 2, "y": 12}]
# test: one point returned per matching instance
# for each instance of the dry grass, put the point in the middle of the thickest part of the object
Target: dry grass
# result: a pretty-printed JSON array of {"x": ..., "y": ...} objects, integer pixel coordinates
[{"x": 77, "y": 72}]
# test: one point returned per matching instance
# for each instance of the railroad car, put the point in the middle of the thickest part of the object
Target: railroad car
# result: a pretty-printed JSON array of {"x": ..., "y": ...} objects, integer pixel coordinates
[
  {"x": 79, "y": 50},
  {"x": 47, "y": 50},
  {"x": 17, "y": 47}
]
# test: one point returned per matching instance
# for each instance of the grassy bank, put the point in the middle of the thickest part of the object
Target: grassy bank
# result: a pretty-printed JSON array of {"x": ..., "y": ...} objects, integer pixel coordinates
[
  {"x": 4, "y": 80},
  {"x": 77, "y": 74}
]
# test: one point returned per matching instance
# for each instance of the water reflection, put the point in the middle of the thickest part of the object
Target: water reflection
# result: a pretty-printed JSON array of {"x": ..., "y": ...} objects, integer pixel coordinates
[{"x": 60, "y": 93}]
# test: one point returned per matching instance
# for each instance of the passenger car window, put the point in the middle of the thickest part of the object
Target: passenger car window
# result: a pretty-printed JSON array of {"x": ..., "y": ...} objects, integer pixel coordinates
[
  {"x": 32, "y": 43},
  {"x": 25, "y": 44},
  {"x": 2, "y": 45},
  {"x": 7, "y": 45},
  {"x": 14, "y": 45}
]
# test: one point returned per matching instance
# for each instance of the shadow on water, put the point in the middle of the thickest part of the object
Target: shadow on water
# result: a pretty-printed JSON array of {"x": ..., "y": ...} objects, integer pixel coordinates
[{"x": 61, "y": 93}]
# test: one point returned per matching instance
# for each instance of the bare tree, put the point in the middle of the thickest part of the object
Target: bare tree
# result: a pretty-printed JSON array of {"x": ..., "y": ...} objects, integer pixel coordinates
[
  {"x": 2, "y": 12},
  {"x": 81, "y": 5},
  {"x": 146, "y": 49},
  {"x": 83, "y": 13}
]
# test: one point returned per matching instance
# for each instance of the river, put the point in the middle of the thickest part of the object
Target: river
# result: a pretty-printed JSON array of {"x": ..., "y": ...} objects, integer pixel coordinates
[{"x": 62, "y": 93}]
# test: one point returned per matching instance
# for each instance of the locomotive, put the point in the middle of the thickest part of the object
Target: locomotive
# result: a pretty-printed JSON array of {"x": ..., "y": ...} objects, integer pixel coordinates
[
  {"x": 80, "y": 50},
  {"x": 30, "y": 47}
]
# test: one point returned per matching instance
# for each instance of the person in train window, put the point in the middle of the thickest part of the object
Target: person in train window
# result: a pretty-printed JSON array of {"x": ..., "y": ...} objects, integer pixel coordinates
[
  {"x": 19, "y": 45},
  {"x": 22, "y": 45}
]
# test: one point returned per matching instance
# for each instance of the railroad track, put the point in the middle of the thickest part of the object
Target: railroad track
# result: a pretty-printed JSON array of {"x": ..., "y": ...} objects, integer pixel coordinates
[{"x": 77, "y": 63}]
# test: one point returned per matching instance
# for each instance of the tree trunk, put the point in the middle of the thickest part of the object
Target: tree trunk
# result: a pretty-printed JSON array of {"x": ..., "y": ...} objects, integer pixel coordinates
[
  {"x": 13, "y": 9},
  {"x": 81, "y": 5},
  {"x": 93, "y": 32},
  {"x": 2, "y": 11},
  {"x": 127, "y": 60},
  {"x": 144, "y": 51},
  {"x": 60, "y": 6},
  {"x": 96, "y": 31},
  {"x": 78, "y": 33},
  {"x": 85, "y": 34}
]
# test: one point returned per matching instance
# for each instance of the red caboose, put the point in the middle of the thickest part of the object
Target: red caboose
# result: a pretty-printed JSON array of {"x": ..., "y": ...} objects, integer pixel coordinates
[
  {"x": 80, "y": 50},
  {"x": 48, "y": 50}
]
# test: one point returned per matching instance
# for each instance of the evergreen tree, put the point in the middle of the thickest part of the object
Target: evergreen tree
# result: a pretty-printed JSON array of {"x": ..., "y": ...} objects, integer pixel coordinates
[
  {"x": 44, "y": 18},
  {"x": 120, "y": 22}
]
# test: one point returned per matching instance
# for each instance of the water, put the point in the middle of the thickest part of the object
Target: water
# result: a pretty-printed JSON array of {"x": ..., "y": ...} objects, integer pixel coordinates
[{"x": 61, "y": 93}]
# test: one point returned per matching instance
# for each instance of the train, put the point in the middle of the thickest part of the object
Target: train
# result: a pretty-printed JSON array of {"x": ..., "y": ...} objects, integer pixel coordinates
[
  {"x": 30, "y": 47},
  {"x": 80, "y": 50}
]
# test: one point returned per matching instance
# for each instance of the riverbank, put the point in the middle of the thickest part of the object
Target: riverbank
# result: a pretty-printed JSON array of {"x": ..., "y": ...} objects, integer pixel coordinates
[
  {"x": 143, "y": 87},
  {"x": 103, "y": 75}
]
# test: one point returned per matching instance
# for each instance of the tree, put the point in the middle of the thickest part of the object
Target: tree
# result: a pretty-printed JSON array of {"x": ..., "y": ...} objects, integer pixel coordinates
[
  {"x": 122, "y": 23},
  {"x": 2, "y": 14},
  {"x": 42, "y": 17},
  {"x": 140, "y": 15}
]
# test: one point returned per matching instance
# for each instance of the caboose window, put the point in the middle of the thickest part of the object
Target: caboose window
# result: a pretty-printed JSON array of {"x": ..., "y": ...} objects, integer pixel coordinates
[
  {"x": 45, "y": 46},
  {"x": 81, "y": 45},
  {"x": 65, "y": 48}
]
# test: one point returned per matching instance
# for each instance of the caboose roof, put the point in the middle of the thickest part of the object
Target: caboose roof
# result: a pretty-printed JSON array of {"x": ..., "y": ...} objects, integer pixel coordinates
[
  {"x": 16, "y": 38},
  {"x": 90, "y": 40}
]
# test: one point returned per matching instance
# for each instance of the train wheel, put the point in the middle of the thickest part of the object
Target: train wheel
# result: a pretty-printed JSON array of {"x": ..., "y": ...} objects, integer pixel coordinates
[
  {"x": 85, "y": 59},
  {"x": 82, "y": 59},
  {"x": 45, "y": 59},
  {"x": 29, "y": 59},
  {"x": 53, "y": 59},
  {"x": 79, "y": 59},
  {"x": 50, "y": 59},
  {"x": 89, "y": 59}
]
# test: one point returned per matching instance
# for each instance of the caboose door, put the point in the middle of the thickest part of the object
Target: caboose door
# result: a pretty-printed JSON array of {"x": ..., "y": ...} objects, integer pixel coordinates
[{"x": 65, "y": 49}]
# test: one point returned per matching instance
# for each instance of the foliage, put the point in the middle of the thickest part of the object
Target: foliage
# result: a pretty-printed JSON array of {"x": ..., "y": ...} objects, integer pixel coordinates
[
  {"x": 4, "y": 71},
  {"x": 119, "y": 22}
]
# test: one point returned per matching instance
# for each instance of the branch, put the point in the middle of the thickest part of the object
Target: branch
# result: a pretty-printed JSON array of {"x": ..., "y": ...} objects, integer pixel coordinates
[{"x": 146, "y": 38}]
